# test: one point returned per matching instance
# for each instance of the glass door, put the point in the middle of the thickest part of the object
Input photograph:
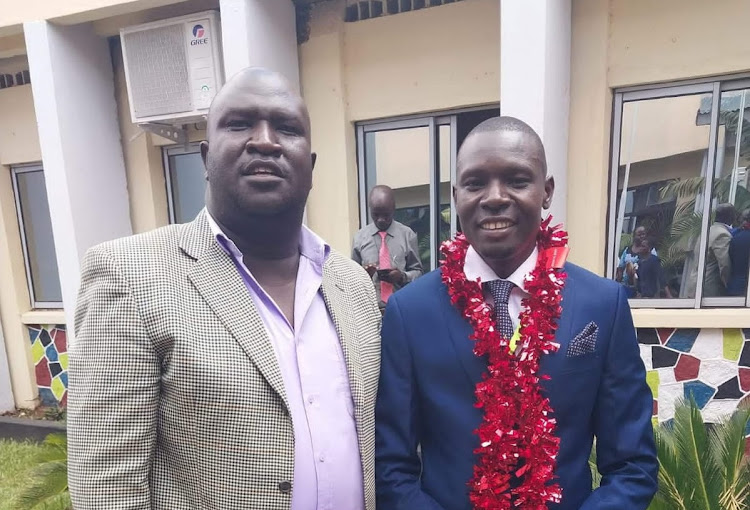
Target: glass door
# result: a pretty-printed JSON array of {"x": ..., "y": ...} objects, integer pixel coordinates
[{"x": 415, "y": 158}]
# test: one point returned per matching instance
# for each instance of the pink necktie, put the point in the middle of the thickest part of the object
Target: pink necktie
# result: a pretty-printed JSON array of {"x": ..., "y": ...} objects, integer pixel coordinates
[{"x": 386, "y": 289}]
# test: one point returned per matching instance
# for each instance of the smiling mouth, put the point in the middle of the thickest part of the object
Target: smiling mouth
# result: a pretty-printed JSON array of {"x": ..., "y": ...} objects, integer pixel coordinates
[
  {"x": 264, "y": 171},
  {"x": 495, "y": 226}
]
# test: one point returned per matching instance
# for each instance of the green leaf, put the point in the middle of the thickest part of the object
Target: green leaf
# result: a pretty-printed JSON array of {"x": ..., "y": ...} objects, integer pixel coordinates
[{"x": 48, "y": 488}]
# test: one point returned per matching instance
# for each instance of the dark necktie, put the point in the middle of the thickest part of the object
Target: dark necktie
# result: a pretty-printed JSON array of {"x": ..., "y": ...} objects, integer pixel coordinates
[{"x": 500, "y": 290}]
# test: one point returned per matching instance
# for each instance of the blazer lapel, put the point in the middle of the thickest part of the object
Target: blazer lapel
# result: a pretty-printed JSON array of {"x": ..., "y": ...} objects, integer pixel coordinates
[
  {"x": 344, "y": 316},
  {"x": 550, "y": 363},
  {"x": 230, "y": 299},
  {"x": 460, "y": 331}
]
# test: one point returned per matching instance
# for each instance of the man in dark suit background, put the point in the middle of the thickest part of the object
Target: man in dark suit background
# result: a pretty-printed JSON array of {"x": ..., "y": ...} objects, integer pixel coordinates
[
  {"x": 596, "y": 386},
  {"x": 739, "y": 255}
]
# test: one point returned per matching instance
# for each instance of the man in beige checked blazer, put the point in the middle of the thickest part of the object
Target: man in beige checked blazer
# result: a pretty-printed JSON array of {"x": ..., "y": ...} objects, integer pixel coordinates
[{"x": 232, "y": 362}]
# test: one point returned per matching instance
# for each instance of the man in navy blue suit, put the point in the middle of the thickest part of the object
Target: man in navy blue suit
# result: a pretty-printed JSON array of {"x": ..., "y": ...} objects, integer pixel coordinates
[{"x": 596, "y": 387}]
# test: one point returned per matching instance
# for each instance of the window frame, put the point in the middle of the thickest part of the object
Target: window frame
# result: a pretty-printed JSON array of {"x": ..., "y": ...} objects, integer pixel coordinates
[
  {"x": 15, "y": 171},
  {"x": 714, "y": 86},
  {"x": 175, "y": 150}
]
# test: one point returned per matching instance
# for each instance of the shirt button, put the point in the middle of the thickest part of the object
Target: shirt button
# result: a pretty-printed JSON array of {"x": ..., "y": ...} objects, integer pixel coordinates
[
  {"x": 285, "y": 487},
  {"x": 310, "y": 399},
  {"x": 322, "y": 458}
]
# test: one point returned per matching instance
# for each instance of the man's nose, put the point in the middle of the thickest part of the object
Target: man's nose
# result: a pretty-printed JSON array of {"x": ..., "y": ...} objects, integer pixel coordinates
[
  {"x": 263, "y": 139},
  {"x": 496, "y": 196}
]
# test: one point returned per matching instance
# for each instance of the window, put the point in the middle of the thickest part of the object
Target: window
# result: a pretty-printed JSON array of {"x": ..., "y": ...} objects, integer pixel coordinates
[
  {"x": 679, "y": 218},
  {"x": 36, "y": 236},
  {"x": 416, "y": 156},
  {"x": 186, "y": 182}
]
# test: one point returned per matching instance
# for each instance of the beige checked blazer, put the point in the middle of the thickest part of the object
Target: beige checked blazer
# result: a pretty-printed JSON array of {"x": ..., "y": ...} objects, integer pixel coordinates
[{"x": 176, "y": 398}]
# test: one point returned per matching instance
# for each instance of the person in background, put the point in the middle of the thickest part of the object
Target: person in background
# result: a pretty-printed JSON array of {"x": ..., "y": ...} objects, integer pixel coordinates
[
  {"x": 386, "y": 248},
  {"x": 650, "y": 274},
  {"x": 739, "y": 256},
  {"x": 718, "y": 263},
  {"x": 627, "y": 268}
]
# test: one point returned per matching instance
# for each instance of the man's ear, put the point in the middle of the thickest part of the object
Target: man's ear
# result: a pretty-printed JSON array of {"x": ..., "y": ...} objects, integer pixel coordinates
[
  {"x": 549, "y": 191},
  {"x": 314, "y": 157},
  {"x": 204, "y": 157}
]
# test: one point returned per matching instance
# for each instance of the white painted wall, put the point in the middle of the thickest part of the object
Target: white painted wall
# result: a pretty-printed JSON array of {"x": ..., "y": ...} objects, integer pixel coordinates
[
  {"x": 259, "y": 33},
  {"x": 7, "y": 403},
  {"x": 76, "y": 113},
  {"x": 535, "y": 40}
]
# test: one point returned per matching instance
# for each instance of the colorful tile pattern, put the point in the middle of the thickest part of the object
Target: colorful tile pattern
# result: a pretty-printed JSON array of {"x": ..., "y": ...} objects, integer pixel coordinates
[
  {"x": 710, "y": 365},
  {"x": 687, "y": 368},
  {"x": 49, "y": 351}
]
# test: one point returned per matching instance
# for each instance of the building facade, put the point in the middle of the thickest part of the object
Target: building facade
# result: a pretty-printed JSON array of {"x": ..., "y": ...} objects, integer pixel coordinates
[{"x": 644, "y": 109}]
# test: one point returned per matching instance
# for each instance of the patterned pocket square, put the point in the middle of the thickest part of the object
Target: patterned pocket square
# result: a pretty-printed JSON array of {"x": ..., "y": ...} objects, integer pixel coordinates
[{"x": 584, "y": 342}]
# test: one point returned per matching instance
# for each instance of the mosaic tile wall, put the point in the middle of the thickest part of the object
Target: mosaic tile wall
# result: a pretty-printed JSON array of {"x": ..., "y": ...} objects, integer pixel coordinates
[
  {"x": 49, "y": 350},
  {"x": 711, "y": 365}
]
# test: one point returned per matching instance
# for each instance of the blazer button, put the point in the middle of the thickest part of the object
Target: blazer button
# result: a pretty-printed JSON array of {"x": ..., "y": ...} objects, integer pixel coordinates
[{"x": 285, "y": 487}]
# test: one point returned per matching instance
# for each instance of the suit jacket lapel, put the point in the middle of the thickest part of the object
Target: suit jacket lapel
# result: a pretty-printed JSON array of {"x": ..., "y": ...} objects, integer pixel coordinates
[
  {"x": 344, "y": 316},
  {"x": 550, "y": 363},
  {"x": 460, "y": 330},
  {"x": 474, "y": 366},
  {"x": 230, "y": 299}
]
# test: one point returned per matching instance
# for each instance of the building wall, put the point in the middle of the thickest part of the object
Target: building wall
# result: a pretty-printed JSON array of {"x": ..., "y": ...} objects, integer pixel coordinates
[
  {"x": 675, "y": 39},
  {"x": 14, "y": 13},
  {"x": 19, "y": 144},
  {"x": 710, "y": 365},
  {"x": 19, "y": 139},
  {"x": 632, "y": 42},
  {"x": 422, "y": 61},
  {"x": 49, "y": 352}
]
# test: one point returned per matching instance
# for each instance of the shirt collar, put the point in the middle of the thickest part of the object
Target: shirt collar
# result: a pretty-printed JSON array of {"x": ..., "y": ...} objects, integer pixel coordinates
[
  {"x": 728, "y": 227},
  {"x": 374, "y": 229},
  {"x": 475, "y": 267},
  {"x": 311, "y": 246}
]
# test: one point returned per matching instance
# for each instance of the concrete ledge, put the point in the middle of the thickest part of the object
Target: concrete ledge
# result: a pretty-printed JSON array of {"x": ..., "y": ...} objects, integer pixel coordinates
[
  {"x": 43, "y": 317},
  {"x": 722, "y": 318},
  {"x": 23, "y": 428}
]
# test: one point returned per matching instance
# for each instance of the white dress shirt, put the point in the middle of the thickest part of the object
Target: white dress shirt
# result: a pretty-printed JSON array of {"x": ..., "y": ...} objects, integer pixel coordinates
[{"x": 476, "y": 268}]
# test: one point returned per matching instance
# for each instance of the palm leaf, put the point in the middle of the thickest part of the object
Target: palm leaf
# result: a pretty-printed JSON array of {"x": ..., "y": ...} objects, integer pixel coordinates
[
  {"x": 596, "y": 477},
  {"x": 671, "y": 483},
  {"x": 49, "y": 488},
  {"x": 728, "y": 446},
  {"x": 683, "y": 188},
  {"x": 691, "y": 439}
]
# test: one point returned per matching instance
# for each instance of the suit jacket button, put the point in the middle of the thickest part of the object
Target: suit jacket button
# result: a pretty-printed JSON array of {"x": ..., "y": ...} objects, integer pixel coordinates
[{"x": 285, "y": 487}]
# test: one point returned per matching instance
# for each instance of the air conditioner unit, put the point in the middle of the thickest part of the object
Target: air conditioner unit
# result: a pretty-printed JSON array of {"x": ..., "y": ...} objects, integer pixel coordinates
[{"x": 173, "y": 68}]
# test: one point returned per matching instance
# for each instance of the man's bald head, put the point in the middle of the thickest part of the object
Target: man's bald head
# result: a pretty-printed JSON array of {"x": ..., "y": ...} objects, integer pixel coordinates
[
  {"x": 257, "y": 154},
  {"x": 383, "y": 194},
  {"x": 382, "y": 206},
  {"x": 257, "y": 81},
  {"x": 511, "y": 125}
]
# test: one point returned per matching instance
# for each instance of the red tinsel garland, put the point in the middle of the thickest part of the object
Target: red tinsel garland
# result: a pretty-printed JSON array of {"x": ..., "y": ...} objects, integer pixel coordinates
[{"x": 517, "y": 439}]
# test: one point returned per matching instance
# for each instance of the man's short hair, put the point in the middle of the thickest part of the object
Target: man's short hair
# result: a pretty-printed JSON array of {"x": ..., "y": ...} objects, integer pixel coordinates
[
  {"x": 509, "y": 124},
  {"x": 725, "y": 213}
]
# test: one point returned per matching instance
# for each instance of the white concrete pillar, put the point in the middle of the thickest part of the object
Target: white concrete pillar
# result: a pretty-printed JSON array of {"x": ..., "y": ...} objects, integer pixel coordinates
[
  {"x": 259, "y": 33},
  {"x": 535, "y": 78},
  {"x": 74, "y": 99},
  {"x": 7, "y": 402}
]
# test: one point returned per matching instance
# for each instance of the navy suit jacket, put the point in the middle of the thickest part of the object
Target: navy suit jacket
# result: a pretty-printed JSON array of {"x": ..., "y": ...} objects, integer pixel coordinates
[{"x": 426, "y": 397}]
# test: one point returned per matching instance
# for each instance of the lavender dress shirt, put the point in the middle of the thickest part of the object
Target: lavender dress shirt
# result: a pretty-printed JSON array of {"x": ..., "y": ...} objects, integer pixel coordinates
[{"x": 327, "y": 464}]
